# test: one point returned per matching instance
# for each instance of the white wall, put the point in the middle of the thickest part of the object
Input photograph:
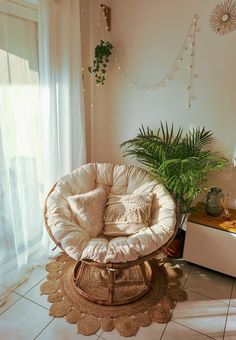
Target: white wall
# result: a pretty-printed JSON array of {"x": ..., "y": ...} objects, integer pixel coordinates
[{"x": 148, "y": 35}]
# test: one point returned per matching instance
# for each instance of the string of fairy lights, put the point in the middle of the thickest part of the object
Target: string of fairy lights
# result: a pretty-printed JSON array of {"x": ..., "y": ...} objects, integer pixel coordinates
[{"x": 187, "y": 50}]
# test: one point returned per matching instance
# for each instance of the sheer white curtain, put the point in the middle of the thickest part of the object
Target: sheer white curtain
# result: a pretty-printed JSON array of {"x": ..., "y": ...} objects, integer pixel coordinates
[
  {"x": 21, "y": 162},
  {"x": 60, "y": 72},
  {"x": 41, "y": 139}
]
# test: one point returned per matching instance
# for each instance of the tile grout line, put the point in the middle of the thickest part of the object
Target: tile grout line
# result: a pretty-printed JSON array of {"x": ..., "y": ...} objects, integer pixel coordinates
[
  {"x": 35, "y": 302},
  {"x": 214, "y": 300},
  {"x": 209, "y": 297},
  {"x": 167, "y": 323},
  {"x": 16, "y": 293},
  {"x": 20, "y": 297},
  {"x": 31, "y": 287},
  {"x": 175, "y": 305},
  {"x": 188, "y": 275},
  {"x": 43, "y": 329},
  {"x": 228, "y": 309},
  {"x": 208, "y": 336},
  {"x": 100, "y": 336}
]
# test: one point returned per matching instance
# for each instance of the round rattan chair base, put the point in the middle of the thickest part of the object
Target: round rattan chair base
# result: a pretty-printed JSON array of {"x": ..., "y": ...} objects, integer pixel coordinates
[
  {"x": 112, "y": 286},
  {"x": 154, "y": 306}
]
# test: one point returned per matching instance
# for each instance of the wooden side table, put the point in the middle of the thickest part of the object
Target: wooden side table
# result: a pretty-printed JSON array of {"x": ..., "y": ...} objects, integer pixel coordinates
[{"x": 211, "y": 242}]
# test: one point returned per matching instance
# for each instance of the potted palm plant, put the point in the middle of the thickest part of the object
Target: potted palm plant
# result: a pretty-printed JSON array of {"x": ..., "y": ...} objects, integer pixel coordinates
[{"x": 180, "y": 161}]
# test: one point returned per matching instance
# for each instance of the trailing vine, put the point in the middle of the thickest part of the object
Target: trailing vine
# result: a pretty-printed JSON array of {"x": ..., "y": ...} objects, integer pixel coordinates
[{"x": 102, "y": 55}]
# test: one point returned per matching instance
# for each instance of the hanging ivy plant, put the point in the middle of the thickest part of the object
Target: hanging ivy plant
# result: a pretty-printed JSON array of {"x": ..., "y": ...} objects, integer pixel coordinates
[{"x": 102, "y": 55}]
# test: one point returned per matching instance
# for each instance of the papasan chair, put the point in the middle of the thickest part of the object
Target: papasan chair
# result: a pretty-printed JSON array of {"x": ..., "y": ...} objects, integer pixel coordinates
[{"x": 110, "y": 219}]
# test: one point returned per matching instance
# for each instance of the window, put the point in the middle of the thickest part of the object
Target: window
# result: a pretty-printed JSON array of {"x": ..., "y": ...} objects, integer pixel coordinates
[{"x": 21, "y": 160}]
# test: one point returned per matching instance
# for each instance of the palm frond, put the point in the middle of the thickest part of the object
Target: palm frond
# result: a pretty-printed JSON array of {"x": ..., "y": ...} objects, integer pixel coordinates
[{"x": 198, "y": 139}]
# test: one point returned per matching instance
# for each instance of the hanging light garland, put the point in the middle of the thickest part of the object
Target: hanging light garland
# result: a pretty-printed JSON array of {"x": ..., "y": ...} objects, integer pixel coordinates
[{"x": 189, "y": 45}]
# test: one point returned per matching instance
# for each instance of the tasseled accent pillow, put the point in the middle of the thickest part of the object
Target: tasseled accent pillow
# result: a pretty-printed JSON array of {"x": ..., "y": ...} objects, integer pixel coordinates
[
  {"x": 88, "y": 210},
  {"x": 127, "y": 214}
]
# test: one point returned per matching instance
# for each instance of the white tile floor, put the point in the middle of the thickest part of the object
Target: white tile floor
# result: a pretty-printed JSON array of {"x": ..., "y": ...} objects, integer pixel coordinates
[{"x": 209, "y": 313}]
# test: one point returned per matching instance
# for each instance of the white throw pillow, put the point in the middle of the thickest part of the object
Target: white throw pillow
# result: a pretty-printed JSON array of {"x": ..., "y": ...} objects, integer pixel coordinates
[
  {"x": 88, "y": 210},
  {"x": 127, "y": 214}
]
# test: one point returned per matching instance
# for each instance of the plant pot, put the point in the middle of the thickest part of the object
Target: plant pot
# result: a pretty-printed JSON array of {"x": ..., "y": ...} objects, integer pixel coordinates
[{"x": 175, "y": 248}]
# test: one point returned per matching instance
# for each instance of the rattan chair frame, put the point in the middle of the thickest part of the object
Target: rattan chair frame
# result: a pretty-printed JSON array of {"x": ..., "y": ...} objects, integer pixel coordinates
[{"x": 110, "y": 267}]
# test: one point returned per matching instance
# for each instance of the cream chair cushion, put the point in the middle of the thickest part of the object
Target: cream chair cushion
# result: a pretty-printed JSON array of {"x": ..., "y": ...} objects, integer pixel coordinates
[{"x": 116, "y": 180}]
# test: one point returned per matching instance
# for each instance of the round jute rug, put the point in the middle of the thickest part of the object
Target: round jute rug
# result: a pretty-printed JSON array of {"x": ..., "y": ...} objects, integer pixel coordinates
[{"x": 155, "y": 306}]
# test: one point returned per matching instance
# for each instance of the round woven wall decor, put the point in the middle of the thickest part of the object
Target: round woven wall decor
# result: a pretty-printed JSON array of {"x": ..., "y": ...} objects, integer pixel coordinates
[
  {"x": 223, "y": 17},
  {"x": 155, "y": 306}
]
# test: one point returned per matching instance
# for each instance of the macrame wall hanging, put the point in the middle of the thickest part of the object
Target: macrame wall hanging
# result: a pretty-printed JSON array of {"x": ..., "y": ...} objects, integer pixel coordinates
[{"x": 188, "y": 48}]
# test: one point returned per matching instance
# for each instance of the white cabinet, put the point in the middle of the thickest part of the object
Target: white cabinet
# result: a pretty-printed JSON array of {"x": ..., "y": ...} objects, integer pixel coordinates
[{"x": 211, "y": 248}]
